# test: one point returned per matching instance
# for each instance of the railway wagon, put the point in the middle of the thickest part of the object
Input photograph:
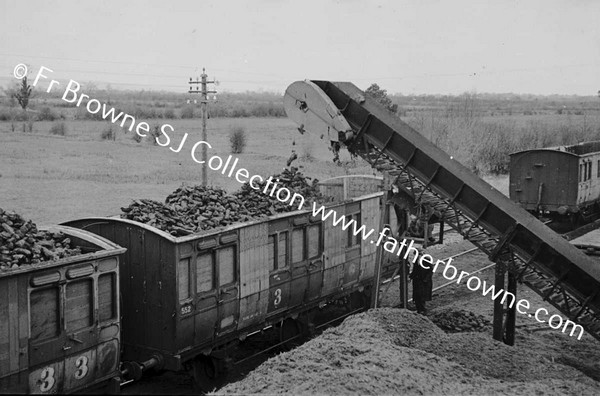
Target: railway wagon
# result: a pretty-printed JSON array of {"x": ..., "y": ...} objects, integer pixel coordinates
[
  {"x": 560, "y": 181},
  {"x": 60, "y": 327},
  {"x": 186, "y": 299}
]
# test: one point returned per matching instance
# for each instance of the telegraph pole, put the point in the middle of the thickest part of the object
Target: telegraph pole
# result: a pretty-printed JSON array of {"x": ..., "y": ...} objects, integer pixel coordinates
[{"x": 204, "y": 103}]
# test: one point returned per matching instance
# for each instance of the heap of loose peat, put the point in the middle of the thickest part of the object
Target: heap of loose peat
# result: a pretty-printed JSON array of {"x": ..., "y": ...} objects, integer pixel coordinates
[{"x": 392, "y": 351}]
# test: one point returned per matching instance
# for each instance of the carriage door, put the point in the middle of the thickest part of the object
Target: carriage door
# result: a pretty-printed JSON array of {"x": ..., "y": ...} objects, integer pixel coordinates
[
  {"x": 352, "y": 265},
  {"x": 279, "y": 270},
  {"x": 47, "y": 337},
  {"x": 315, "y": 260},
  {"x": 63, "y": 326},
  {"x": 81, "y": 329},
  {"x": 228, "y": 287}
]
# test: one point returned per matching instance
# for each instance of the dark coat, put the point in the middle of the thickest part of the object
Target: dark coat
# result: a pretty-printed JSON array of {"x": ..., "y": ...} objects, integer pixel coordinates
[{"x": 422, "y": 282}]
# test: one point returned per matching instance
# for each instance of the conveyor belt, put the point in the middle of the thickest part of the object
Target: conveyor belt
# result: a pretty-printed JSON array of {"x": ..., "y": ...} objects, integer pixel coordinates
[{"x": 540, "y": 258}]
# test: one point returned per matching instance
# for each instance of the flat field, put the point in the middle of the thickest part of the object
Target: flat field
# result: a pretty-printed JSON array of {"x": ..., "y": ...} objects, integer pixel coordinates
[{"x": 51, "y": 179}]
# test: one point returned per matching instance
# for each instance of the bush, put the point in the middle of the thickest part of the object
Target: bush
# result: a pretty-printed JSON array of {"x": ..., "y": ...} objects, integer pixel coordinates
[
  {"x": 108, "y": 133},
  {"x": 58, "y": 128},
  {"x": 239, "y": 112},
  {"x": 169, "y": 114},
  {"x": 237, "y": 138},
  {"x": 47, "y": 114},
  {"x": 12, "y": 114},
  {"x": 83, "y": 114},
  {"x": 187, "y": 112},
  {"x": 154, "y": 134},
  {"x": 137, "y": 138},
  {"x": 143, "y": 112},
  {"x": 6, "y": 114}
]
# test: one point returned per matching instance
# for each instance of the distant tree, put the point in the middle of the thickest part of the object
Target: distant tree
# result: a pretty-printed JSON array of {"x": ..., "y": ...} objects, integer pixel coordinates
[
  {"x": 23, "y": 93},
  {"x": 381, "y": 96}
]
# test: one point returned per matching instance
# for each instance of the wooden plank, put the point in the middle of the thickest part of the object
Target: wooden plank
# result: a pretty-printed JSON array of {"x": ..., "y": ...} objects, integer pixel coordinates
[
  {"x": 4, "y": 329},
  {"x": 23, "y": 323},
  {"x": 153, "y": 269},
  {"x": 169, "y": 296},
  {"x": 132, "y": 290},
  {"x": 335, "y": 252},
  {"x": 128, "y": 324},
  {"x": 106, "y": 297},
  {"x": 45, "y": 323},
  {"x": 13, "y": 324},
  {"x": 370, "y": 218},
  {"x": 254, "y": 273},
  {"x": 335, "y": 240},
  {"x": 78, "y": 314}
]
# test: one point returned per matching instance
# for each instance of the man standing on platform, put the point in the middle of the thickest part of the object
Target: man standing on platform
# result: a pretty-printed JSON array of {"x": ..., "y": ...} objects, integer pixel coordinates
[{"x": 422, "y": 286}]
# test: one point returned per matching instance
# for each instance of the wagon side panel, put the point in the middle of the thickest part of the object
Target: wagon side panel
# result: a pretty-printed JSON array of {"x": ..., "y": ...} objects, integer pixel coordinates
[{"x": 254, "y": 274}]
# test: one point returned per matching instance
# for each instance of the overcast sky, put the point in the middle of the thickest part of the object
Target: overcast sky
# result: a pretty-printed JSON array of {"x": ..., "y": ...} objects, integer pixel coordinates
[{"x": 540, "y": 47}]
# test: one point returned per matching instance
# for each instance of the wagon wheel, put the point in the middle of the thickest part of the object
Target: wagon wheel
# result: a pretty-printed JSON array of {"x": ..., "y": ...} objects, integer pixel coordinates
[
  {"x": 207, "y": 373},
  {"x": 357, "y": 300}
]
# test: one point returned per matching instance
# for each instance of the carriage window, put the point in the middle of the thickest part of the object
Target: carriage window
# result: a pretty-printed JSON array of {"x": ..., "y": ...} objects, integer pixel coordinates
[
  {"x": 598, "y": 169},
  {"x": 106, "y": 297},
  {"x": 272, "y": 253},
  {"x": 205, "y": 273},
  {"x": 183, "y": 270},
  {"x": 353, "y": 240},
  {"x": 226, "y": 263},
  {"x": 278, "y": 250},
  {"x": 580, "y": 173},
  {"x": 44, "y": 313},
  {"x": 282, "y": 250},
  {"x": 314, "y": 240},
  {"x": 297, "y": 245},
  {"x": 79, "y": 309},
  {"x": 589, "y": 170}
]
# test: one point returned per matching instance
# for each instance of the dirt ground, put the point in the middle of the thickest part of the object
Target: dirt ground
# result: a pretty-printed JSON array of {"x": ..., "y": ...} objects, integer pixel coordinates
[{"x": 394, "y": 351}]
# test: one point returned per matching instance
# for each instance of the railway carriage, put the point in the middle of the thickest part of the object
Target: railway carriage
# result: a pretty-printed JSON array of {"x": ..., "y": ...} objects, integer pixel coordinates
[
  {"x": 187, "y": 299},
  {"x": 559, "y": 181},
  {"x": 60, "y": 327}
]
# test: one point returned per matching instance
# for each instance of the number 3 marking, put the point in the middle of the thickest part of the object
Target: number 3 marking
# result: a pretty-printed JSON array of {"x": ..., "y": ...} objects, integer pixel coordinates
[
  {"x": 277, "y": 297},
  {"x": 47, "y": 377},
  {"x": 82, "y": 367}
]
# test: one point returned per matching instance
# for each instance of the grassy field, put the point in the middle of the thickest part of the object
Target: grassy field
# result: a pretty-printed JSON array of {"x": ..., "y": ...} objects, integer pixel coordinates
[{"x": 51, "y": 179}]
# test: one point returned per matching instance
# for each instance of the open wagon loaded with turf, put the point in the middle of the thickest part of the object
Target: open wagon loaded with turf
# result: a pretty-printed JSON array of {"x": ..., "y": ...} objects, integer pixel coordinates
[
  {"x": 205, "y": 270},
  {"x": 59, "y": 308}
]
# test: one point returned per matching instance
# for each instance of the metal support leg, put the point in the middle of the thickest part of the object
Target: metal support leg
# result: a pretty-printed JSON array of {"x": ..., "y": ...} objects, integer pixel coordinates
[
  {"x": 504, "y": 329},
  {"x": 403, "y": 285},
  {"x": 511, "y": 312},
  {"x": 500, "y": 272}
]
